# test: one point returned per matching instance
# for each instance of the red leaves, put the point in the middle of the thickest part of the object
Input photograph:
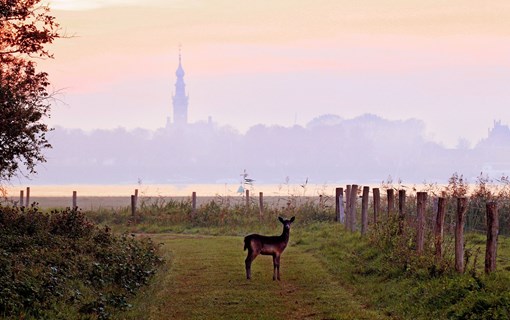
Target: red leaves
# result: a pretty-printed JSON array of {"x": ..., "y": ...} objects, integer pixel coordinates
[{"x": 25, "y": 29}]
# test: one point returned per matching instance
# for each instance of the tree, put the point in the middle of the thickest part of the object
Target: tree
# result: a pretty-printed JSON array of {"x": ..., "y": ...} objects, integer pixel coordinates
[{"x": 26, "y": 27}]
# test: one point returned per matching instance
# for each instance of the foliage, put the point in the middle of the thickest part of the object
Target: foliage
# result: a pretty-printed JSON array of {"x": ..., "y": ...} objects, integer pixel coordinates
[
  {"x": 25, "y": 28},
  {"x": 60, "y": 265},
  {"x": 383, "y": 268},
  {"x": 457, "y": 186},
  {"x": 424, "y": 285},
  {"x": 488, "y": 190}
]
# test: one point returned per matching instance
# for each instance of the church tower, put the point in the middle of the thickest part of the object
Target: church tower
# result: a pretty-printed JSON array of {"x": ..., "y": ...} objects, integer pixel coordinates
[{"x": 180, "y": 99}]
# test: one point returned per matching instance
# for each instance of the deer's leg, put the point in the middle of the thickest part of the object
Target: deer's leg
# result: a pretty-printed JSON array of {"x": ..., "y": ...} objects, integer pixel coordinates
[
  {"x": 276, "y": 267},
  {"x": 251, "y": 256}
]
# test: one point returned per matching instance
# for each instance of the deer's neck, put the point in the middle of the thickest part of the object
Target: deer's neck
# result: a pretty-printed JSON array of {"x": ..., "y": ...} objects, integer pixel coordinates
[{"x": 285, "y": 234}]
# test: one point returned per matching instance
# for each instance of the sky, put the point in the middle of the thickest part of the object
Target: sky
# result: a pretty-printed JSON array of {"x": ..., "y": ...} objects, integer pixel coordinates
[{"x": 283, "y": 62}]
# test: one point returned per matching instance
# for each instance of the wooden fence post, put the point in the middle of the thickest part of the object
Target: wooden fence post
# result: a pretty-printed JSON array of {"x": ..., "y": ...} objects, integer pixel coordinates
[
  {"x": 339, "y": 204},
  {"x": 347, "y": 206},
  {"x": 136, "y": 197},
  {"x": 193, "y": 203},
  {"x": 391, "y": 201},
  {"x": 401, "y": 210},
  {"x": 421, "y": 205},
  {"x": 28, "y": 197},
  {"x": 459, "y": 234},
  {"x": 352, "y": 214},
  {"x": 261, "y": 204},
  {"x": 247, "y": 199},
  {"x": 377, "y": 203},
  {"x": 364, "y": 210},
  {"x": 21, "y": 198},
  {"x": 439, "y": 229},
  {"x": 75, "y": 200},
  {"x": 492, "y": 237},
  {"x": 133, "y": 205},
  {"x": 321, "y": 202}
]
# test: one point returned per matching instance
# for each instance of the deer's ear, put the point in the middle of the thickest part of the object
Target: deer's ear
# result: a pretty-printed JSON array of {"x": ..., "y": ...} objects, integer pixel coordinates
[
  {"x": 292, "y": 219},
  {"x": 281, "y": 219}
]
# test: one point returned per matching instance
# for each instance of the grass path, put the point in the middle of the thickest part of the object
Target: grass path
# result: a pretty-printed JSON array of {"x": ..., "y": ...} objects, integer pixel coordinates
[{"x": 205, "y": 279}]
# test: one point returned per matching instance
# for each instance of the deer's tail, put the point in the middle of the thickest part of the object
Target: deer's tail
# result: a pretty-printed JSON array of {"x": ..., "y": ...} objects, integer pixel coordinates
[{"x": 246, "y": 243}]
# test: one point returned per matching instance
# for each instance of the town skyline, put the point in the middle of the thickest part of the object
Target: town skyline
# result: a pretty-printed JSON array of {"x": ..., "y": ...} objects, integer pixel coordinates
[
  {"x": 283, "y": 63},
  {"x": 187, "y": 152},
  {"x": 328, "y": 150}
]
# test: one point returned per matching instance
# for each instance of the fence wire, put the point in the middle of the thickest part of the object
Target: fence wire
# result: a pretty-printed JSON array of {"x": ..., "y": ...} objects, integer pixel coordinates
[{"x": 475, "y": 218}]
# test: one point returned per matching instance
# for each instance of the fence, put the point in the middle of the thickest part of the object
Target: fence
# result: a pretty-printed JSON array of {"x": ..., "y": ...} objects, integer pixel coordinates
[
  {"x": 133, "y": 202},
  {"x": 421, "y": 212}
]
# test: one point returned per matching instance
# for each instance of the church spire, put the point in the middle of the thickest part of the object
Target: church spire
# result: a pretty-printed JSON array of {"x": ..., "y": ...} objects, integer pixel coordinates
[
  {"x": 180, "y": 71},
  {"x": 180, "y": 99}
]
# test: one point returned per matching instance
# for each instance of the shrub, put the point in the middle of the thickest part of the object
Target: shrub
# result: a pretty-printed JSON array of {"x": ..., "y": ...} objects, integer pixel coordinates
[{"x": 60, "y": 265}]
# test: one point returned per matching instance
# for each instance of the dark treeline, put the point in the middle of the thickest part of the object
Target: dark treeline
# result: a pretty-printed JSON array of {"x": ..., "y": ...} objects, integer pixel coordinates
[{"x": 329, "y": 149}]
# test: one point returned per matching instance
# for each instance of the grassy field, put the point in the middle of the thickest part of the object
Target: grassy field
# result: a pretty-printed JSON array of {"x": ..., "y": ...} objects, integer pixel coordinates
[
  {"x": 205, "y": 279},
  {"x": 327, "y": 272},
  {"x": 122, "y": 202}
]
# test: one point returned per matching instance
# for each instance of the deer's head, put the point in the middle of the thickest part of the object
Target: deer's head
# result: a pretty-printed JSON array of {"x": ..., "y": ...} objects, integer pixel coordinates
[{"x": 286, "y": 223}]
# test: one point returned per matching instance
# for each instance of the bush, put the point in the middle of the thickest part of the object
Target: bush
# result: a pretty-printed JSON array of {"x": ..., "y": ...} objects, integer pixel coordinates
[{"x": 60, "y": 265}]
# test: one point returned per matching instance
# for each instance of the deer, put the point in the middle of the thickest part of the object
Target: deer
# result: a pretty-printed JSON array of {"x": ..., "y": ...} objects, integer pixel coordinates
[{"x": 267, "y": 245}]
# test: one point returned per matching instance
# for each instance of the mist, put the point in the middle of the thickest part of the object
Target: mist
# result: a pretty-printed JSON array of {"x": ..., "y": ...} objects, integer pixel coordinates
[{"x": 329, "y": 149}]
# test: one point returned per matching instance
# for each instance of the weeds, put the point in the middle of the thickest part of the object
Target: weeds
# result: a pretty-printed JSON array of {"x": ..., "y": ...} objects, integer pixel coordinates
[{"x": 220, "y": 213}]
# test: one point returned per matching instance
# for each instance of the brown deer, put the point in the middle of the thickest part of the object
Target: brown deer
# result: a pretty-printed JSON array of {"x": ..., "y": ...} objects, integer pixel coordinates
[{"x": 264, "y": 245}]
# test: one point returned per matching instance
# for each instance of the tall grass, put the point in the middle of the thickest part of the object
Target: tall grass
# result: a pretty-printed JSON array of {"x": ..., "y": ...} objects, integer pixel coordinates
[{"x": 221, "y": 215}]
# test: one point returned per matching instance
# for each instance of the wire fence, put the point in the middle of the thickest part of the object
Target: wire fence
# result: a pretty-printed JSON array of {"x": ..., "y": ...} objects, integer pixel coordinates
[{"x": 475, "y": 217}]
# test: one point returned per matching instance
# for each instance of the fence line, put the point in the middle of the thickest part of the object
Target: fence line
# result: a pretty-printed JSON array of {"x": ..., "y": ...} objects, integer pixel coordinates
[
  {"x": 348, "y": 214},
  {"x": 438, "y": 222}
]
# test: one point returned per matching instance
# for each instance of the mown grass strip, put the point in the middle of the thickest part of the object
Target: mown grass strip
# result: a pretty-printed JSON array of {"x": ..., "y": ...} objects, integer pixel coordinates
[{"x": 205, "y": 279}]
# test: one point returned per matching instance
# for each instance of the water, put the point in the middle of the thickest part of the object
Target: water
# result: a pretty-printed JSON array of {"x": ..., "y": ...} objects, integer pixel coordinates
[{"x": 166, "y": 190}]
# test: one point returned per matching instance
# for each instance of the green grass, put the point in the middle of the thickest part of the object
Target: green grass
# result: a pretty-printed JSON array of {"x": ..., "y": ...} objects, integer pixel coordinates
[
  {"x": 205, "y": 279},
  {"x": 418, "y": 292},
  {"x": 327, "y": 273}
]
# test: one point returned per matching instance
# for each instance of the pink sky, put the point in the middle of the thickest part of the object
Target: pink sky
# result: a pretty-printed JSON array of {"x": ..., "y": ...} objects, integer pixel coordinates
[{"x": 284, "y": 62}]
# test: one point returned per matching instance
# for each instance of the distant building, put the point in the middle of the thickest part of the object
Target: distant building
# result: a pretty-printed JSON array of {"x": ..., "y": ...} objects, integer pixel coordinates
[
  {"x": 500, "y": 133},
  {"x": 497, "y": 137},
  {"x": 180, "y": 98},
  {"x": 495, "y": 151}
]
